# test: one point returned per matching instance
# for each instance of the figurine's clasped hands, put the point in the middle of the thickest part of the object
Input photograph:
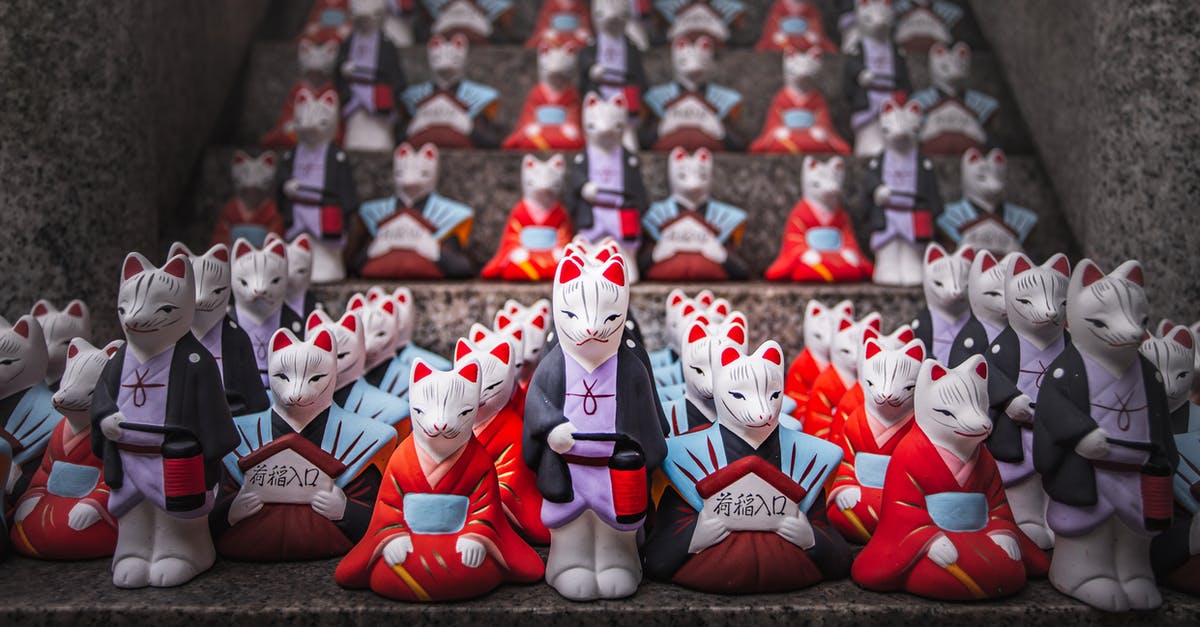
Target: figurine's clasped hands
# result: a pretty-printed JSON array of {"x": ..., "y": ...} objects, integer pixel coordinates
[
  {"x": 797, "y": 530},
  {"x": 882, "y": 195},
  {"x": 26, "y": 506},
  {"x": 560, "y": 439},
  {"x": 111, "y": 427},
  {"x": 1020, "y": 409},
  {"x": 1007, "y": 543},
  {"x": 330, "y": 504},
  {"x": 82, "y": 516},
  {"x": 942, "y": 551},
  {"x": 1093, "y": 445},
  {"x": 847, "y": 498},
  {"x": 397, "y": 550},
  {"x": 245, "y": 505},
  {"x": 590, "y": 192},
  {"x": 472, "y": 552},
  {"x": 709, "y": 531},
  {"x": 866, "y": 78}
]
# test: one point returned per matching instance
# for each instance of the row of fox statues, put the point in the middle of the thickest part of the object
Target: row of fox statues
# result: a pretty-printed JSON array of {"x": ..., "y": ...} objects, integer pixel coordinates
[
  {"x": 1026, "y": 408},
  {"x": 592, "y": 99}
]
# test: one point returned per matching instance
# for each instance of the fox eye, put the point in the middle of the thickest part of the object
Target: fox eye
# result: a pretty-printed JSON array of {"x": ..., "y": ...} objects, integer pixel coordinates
[
  {"x": 316, "y": 378},
  {"x": 569, "y": 314},
  {"x": 992, "y": 293},
  {"x": 775, "y": 394},
  {"x": 611, "y": 318},
  {"x": 1025, "y": 301},
  {"x": 282, "y": 377},
  {"x": 738, "y": 395},
  {"x": 939, "y": 284},
  {"x": 418, "y": 411},
  {"x": 167, "y": 309},
  {"x": 1099, "y": 324},
  {"x": 698, "y": 371},
  {"x": 945, "y": 412}
]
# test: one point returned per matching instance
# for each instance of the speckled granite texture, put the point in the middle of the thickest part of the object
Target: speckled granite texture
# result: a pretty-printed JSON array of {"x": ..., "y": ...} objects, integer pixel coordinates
[
  {"x": 1108, "y": 89},
  {"x": 295, "y": 594},
  {"x": 104, "y": 108}
]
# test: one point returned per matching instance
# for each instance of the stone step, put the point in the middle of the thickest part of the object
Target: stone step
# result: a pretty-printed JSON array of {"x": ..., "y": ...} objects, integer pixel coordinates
[
  {"x": 446, "y": 309},
  {"x": 766, "y": 186},
  {"x": 299, "y": 594},
  {"x": 512, "y": 70}
]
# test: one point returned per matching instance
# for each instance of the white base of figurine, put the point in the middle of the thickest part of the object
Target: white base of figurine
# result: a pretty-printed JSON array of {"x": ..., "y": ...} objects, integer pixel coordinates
[
  {"x": 899, "y": 262},
  {"x": 868, "y": 140},
  {"x": 157, "y": 549},
  {"x": 1109, "y": 568},
  {"x": 398, "y": 31},
  {"x": 1028, "y": 502},
  {"x": 589, "y": 560},
  {"x": 327, "y": 265},
  {"x": 368, "y": 132}
]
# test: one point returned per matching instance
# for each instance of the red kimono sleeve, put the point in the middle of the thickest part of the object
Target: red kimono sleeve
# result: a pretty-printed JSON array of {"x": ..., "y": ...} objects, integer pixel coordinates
[
  {"x": 387, "y": 522},
  {"x": 508, "y": 241},
  {"x": 37, "y": 485}
]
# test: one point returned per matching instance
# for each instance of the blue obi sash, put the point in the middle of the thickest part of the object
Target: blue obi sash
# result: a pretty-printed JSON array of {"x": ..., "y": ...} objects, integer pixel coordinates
[
  {"x": 550, "y": 115},
  {"x": 332, "y": 18},
  {"x": 870, "y": 469},
  {"x": 435, "y": 513},
  {"x": 958, "y": 511},
  {"x": 253, "y": 233},
  {"x": 793, "y": 25},
  {"x": 823, "y": 239},
  {"x": 564, "y": 21},
  {"x": 798, "y": 118},
  {"x": 72, "y": 481},
  {"x": 539, "y": 238}
]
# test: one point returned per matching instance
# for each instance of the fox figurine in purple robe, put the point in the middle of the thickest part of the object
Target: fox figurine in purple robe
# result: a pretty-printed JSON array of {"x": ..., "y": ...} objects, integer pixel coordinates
[{"x": 161, "y": 425}]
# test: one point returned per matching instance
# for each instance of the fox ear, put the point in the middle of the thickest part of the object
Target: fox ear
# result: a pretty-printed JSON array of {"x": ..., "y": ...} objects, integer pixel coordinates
[
  {"x": 981, "y": 369},
  {"x": 1183, "y": 337},
  {"x": 470, "y": 372},
  {"x": 1020, "y": 264},
  {"x": 729, "y": 355},
  {"x": 934, "y": 252},
  {"x": 420, "y": 370},
  {"x": 281, "y": 340},
  {"x": 736, "y": 334},
  {"x": 324, "y": 341},
  {"x": 773, "y": 355},
  {"x": 177, "y": 266},
  {"x": 502, "y": 352},
  {"x": 697, "y": 333},
  {"x": 916, "y": 351},
  {"x": 871, "y": 349},
  {"x": 461, "y": 349},
  {"x": 937, "y": 372}
]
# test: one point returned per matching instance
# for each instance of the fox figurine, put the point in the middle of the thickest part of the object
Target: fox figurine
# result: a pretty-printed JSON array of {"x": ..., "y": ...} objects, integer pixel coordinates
[
  {"x": 538, "y": 226},
  {"x": 819, "y": 244}
]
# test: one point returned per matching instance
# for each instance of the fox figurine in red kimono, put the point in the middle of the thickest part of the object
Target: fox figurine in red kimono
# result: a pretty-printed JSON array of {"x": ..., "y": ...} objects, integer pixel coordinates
[
  {"x": 745, "y": 510},
  {"x": 316, "y": 61},
  {"x": 794, "y": 25},
  {"x": 798, "y": 119},
  {"x": 550, "y": 118},
  {"x": 498, "y": 427},
  {"x": 439, "y": 532},
  {"x": 841, "y": 375},
  {"x": 562, "y": 21},
  {"x": 64, "y": 512},
  {"x": 302, "y": 483},
  {"x": 27, "y": 414},
  {"x": 251, "y": 213},
  {"x": 870, "y": 436},
  {"x": 818, "y": 331},
  {"x": 538, "y": 226},
  {"x": 945, "y": 530},
  {"x": 819, "y": 244}
]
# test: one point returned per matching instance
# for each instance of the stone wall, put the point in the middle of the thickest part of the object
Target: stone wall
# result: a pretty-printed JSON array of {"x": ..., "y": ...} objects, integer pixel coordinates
[
  {"x": 104, "y": 111},
  {"x": 1107, "y": 88}
]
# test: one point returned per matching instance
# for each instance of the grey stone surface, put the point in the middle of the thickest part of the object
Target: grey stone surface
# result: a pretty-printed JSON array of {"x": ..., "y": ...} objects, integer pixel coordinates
[
  {"x": 766, "y": 186},
  {"x": 295, "y": 594},
  {"x": 512, "y": 70},
  {"x": 446, "y": 309},
  {"x": 1108, "y": 89},
  {"x": 104, "y": 109}
]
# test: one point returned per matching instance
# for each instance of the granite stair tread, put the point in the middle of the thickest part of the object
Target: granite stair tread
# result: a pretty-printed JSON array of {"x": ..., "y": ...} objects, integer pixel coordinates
[
  {"x": 511, "y": 69},
  {"x": 489, "y": 181},
  {"x": 298, "y": 594}
]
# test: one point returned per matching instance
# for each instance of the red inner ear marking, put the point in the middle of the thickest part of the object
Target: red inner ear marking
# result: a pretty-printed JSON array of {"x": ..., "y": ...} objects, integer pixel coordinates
[
  {"x": 470, "y": 372},
  {"x": 177, "y": 268},
  {"x": 687, "y": 311},
  {"x": 968, "y": 253},
  {"x": 569, "y": 272},
  {"x": 324, "y": 341},
  {"x": 981, "y": 370},
  {"x": 40, "y": 309},
  {"x": 870, "y": 334},
  {"x": 302, "y": 242},
  {"x": 906, "y": 336},
  {"x": 676, "y": 299},
  {"x": 461, "y": 349},
  {"x": 1184, "y": 337},
  {"x": 420, "y": 371},
  {"x": 280, "y": 342},
  {"x": 314, "y": 321},
  {"x": 697, "y": 333},
  {"x": 1063, "y": 266},
  {"x": 729, "y": 355},
  {"x": 539, "y": 322},
  {"x": 1091, "y": 274},
  {"x": 844, "y": 324},
  {"x": 518, "y": 334},
  {"x": 403, "y": 298},
  {"x": 389, "y": 307},
  {"x": 772, "y": 355},
  {"x": 501, "y": 352},
  {"x": 872, "y": 349},
  {"x": 603, "y": 255},
  {"x": 479, "y": 335},
  {"x": 221, "y": 254},
  {"x": 72, "y": 351},
  {"x": 989, "y": 261},
  {"x": 356, "y": 303},
  {"x": 133, "y": 267},
  {"x": 916, "y": 353},
  {"x": 1135, "y": 275},
  {"x": 937, "y": 372},
  {"x": 615, "y": 273},
  {"x": 1021, "y": 265},
  {"x": 502, "y": 321},
  {"x": 21, "y": 328},
  {"x": 350, "y": 322},
  {"x": 737, "y": 334},
  {"x": 935, "y": 253},
  {"x": 242, "y": 248}
]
